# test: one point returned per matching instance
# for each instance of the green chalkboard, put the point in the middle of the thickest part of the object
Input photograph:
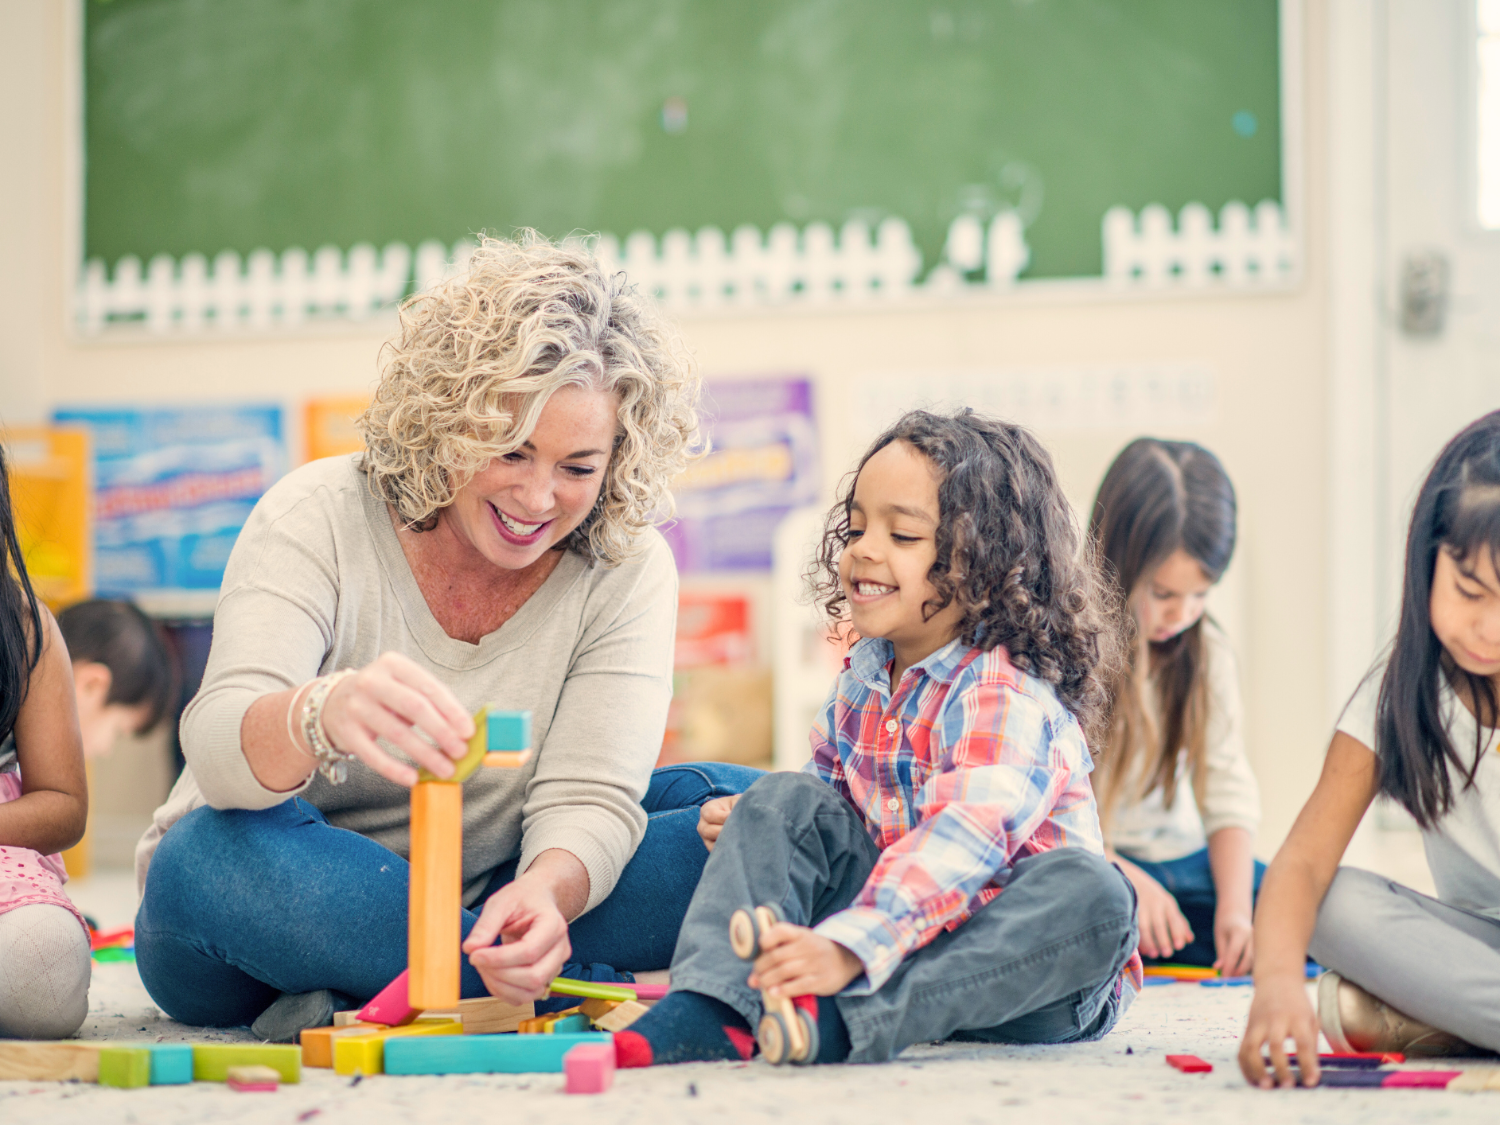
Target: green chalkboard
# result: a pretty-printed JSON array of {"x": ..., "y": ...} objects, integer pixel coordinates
[{"x": 236, "y": 124}]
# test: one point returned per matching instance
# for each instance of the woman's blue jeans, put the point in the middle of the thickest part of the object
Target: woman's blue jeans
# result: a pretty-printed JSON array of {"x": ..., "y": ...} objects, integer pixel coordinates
[
  {"x": 1190, "y": 880},
  {"x": 242, "y": 906}
]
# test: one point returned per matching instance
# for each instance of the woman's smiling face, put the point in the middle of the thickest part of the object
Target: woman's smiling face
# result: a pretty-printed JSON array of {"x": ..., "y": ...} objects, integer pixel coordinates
[{"x": 521, "y": 505}]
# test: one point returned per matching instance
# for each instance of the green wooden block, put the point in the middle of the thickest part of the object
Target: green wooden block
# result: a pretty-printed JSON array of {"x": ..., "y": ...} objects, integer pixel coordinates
[
  {"x": 591, "y": 990},
  {"x": 113, "y": 953},
  {"x": 211, "y": 1061},
  {"x": 485, "y": 1054},
  {"x": 125, "y": 1066}
]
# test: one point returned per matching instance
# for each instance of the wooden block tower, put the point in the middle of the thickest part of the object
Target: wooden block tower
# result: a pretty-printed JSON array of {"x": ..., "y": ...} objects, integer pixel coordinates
[{"x": 501, "y": 739}]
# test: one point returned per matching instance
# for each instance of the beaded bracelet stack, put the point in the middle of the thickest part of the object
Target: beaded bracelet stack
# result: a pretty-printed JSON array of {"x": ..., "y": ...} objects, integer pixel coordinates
[{"x": 332, "y": 762}]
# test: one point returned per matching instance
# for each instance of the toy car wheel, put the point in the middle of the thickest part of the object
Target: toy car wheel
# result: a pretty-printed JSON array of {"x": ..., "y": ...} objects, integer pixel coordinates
[
  {"x": 810, "y": 1036},
  {"x": 742, "y": 935},
  {"x": 774, "y": 1038}
]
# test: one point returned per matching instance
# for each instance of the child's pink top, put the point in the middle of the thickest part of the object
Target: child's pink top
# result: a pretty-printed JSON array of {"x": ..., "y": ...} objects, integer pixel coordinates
[{"x": 28, "y": 878}]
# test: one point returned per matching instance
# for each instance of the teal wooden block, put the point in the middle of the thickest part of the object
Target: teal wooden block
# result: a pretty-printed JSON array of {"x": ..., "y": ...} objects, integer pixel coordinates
[
  {"x": 485, "y": 1054},
  {"x": 575, "y": 1023},
  {"x": 509, "y": 730},
  {"x": 171, "y": 1063}
]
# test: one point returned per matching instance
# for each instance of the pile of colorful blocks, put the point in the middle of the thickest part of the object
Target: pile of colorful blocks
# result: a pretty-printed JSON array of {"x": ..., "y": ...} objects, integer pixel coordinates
[{"x": 483, "y": 1036}]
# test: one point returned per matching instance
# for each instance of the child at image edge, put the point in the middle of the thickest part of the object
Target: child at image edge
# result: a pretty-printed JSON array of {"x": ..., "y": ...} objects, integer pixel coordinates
[
  {"x": 1177, "y": 797},
  {"x": 1407, "y": 972},
  {"x": 939, "y": 862},
  {"x": 44, "y": 945}
]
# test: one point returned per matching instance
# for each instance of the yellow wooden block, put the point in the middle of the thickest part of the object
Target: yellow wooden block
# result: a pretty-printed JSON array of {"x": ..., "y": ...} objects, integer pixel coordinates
[
  {"x": 365, "y": 1054},
  {"x": 317, "y": 1042}
]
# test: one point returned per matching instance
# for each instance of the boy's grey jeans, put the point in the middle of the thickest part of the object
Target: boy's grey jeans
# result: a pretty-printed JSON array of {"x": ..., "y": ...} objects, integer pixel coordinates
[{"x": 1039, "y": 964}]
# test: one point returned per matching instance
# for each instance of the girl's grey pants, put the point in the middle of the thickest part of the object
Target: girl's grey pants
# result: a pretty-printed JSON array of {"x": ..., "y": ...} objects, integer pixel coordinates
[
  {"x": 1039, "y": 964},
  {"x": 1425, "y": 958}
]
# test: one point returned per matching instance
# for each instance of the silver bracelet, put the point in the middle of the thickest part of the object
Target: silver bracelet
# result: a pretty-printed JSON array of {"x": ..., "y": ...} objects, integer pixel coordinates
[{"x": 332, "y": 762}]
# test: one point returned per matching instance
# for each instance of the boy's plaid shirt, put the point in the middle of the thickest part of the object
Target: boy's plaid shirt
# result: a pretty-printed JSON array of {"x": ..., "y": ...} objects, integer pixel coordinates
[{"x": 972, "y": 765}]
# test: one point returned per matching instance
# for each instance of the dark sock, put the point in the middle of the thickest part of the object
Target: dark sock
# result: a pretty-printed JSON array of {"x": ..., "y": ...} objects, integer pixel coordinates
[
  {"x": 685, "y": 1027},
  {"x": 833, "y": 1034}
]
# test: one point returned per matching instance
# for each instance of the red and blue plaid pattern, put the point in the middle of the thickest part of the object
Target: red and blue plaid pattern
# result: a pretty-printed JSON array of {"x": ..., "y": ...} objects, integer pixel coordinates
[{"x": 971, "y": 765}]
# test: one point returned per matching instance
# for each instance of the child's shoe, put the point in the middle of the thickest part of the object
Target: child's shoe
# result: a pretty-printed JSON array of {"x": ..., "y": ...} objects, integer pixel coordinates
[{"x": 1354, "y": 1020}]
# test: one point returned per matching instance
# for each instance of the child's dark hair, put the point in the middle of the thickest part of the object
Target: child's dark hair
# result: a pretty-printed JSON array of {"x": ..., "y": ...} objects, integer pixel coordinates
[
  {"x": 1008, "y": 552},
  {"x": 1159, "y": 497},
  {"x": 21, "y": 637},
  {"x": 1458, "y": 511},
  {"x": 127, "y": 642}
]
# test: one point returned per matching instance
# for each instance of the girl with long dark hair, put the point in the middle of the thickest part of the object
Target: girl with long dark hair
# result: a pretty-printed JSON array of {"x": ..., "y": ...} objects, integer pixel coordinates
[
  {"x": 44, "y": 944},
  {"x": 1177, "y": 798},
  {"x": 1407, "y": 972}
]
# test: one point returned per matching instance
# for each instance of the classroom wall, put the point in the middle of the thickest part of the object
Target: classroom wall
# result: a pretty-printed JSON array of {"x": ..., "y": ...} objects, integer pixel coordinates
[{"x": 1268, "y": 354}]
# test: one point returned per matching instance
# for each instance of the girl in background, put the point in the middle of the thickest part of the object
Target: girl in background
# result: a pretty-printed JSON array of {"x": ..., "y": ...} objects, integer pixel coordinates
[
  {"x": 1408, "y": 973},
  {"x": 1177, "y": 798},
  {"x": 44, "y": 945}
]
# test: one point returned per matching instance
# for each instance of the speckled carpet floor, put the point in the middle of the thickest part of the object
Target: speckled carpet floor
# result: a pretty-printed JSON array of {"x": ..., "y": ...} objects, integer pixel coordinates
[{"x": 1123, "y": 1078}]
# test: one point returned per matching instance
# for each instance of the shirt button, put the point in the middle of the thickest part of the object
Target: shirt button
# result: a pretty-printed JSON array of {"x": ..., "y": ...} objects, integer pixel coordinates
[
  {"x": 890, "y": 725},
  {"x": 893, "y": 804}
]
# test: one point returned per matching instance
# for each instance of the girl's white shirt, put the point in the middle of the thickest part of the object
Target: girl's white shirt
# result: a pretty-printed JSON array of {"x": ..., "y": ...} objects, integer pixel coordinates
[
  {"x": 1143, "y": 827},
  {"x": 1463, "y": 848}
]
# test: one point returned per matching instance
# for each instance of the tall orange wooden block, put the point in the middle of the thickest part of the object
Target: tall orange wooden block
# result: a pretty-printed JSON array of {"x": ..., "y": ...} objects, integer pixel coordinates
[{"x": 436, "y": 893}]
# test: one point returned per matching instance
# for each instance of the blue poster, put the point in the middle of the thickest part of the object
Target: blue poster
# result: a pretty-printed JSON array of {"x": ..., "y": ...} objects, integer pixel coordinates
[
  {"x": 172, "y": 488},
  {"x": 762, "y": 463}
]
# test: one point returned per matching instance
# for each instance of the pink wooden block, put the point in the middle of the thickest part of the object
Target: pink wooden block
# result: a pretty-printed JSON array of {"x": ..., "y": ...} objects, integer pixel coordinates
[
  {"x": 1428, "y": 1079},
  {"x": 390, "y": 1005},
  {"x": 590, "y": 1068},
  {"x": 648, "y": 991}
]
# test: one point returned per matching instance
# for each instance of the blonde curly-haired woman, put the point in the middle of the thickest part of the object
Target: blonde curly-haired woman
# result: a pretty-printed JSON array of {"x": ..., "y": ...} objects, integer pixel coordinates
[{"x": 494, "y": 542}]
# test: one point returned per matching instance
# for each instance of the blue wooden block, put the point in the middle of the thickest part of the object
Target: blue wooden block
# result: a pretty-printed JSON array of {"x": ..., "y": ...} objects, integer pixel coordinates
[
  {"x": 171, "y": 1063},
  {"x": 509, "y": 730},
  {"x": 485, "y": 1054}
]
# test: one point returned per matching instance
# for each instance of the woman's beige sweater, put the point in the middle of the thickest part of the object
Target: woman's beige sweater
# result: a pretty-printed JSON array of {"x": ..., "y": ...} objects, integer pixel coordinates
[{"x": 318, "y": 582}]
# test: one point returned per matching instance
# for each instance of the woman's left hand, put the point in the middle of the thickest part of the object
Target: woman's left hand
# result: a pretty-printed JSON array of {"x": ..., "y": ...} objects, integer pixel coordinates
[
  {"x": 795, "y": 961},
  {"x": 526, "y": 917},
  {"x": 1234, "y": 942}
]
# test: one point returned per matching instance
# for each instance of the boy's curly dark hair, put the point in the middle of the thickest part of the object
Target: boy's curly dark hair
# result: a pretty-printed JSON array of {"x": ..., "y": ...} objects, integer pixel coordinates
[{"x": 1008, "y": 552}]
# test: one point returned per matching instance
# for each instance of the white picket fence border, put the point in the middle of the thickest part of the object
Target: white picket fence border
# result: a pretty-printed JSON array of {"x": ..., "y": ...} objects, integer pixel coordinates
[
  {"x": 1247, "y": 250},
  {"x": 815, "y": 266}
]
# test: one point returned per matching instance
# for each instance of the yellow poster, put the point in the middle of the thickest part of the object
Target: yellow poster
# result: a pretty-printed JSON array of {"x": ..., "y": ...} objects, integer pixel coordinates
[
  {"x": 329, "y": 425},
  {"x": 50, "y": 492}
]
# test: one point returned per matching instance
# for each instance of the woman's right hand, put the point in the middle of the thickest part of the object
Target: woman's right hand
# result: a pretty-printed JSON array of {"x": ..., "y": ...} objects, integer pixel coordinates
[
  {"x": 1280, "y": 1010},
  {"x": 711, "y": 818},
  {"x": 1163, "y": 928},
  {"x": 395, "y": 699}
]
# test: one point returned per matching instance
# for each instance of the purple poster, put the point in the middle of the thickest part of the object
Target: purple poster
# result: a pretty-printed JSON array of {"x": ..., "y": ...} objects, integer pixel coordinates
[{"x": 762, "y": 463}]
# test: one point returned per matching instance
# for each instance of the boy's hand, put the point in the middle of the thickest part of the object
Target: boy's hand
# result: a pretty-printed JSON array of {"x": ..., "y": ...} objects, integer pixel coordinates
[
  {"x": 711, "y": 818},
  {"x": 794, "y": 961}
]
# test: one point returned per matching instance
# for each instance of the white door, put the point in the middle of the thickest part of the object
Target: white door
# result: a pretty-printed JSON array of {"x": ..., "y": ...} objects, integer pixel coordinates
[{"x": 1438, "y": 249}]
